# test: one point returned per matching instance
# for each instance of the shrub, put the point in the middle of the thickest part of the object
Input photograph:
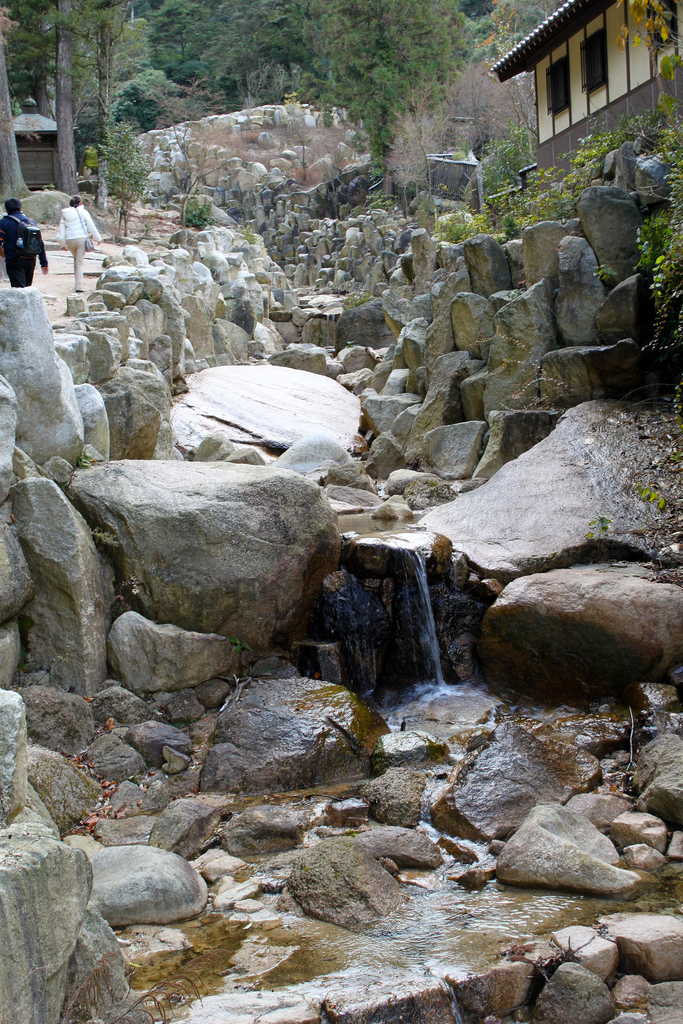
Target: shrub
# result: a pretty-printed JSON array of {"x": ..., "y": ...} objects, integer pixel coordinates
[{"x": 198, "y": 212}]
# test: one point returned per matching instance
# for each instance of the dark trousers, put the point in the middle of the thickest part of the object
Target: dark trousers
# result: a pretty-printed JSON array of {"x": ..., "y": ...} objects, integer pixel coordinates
[{"x": 20, "y": 271}]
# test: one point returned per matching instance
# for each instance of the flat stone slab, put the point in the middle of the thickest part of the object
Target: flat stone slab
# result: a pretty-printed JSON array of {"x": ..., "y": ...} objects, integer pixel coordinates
[{"x": 269, "y": 406}]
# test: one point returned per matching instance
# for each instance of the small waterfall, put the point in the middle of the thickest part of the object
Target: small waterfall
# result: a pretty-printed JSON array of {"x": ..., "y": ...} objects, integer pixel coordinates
[{"x": 417, "y": 610}]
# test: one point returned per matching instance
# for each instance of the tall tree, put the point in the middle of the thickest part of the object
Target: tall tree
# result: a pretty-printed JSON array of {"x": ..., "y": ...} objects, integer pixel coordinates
[
  {"x": 381, "y": 52},
  {"x": 66, "y": 154},
  {"x": 11, "y": 179}
]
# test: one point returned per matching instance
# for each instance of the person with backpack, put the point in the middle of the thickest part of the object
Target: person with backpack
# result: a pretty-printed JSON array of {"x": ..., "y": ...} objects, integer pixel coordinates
[
  {"x": 21, "y": 243},
  {"x": 76, "y": 229}
]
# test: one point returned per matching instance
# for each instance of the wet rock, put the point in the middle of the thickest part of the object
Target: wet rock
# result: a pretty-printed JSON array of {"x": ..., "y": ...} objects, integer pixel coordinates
[
  {"x": 396, "y": 797},
  {"x": 144, "y": 885},
  {"x": 67, "y": 792},
  {"x": 641, "y": 857},
  {"x": 112, "y": 759},
  {"x": 401, "y": 749},
  {"x": 596, "y": 632},
  {"x": 121, "y": 705},
  {"x": 273, "y": 526},
  {"x": 58, "y": 720},
  {"x": 500, "y": 990},
  {"x": 659, "y": 778},
  {"x": 263, "y": 830},
  {"x": 349, "y": 813},
  {"x": 69, "y": 611},
  {"x": 596, "y": 954},
  {"x": 600, "y": 808},
  {"x": 185, "y": 827},
  {"x": 407, "y": 849},
  {"x": 627, "y": 312},
  {"x": 487, "y": 265},
  {"x": 649, "y": 944},
  {"x": 150, "y": 738},
  {"x": 340, "y": 882},
  {"x": 148, "y": 657},
  {"x": 491, "y": 793},
  {"x": 397, "y": 999},
  {"x": 634, "y": 827},
  {"x": 611, "y": 220},
  {"x": 648, "y": 697},
  {"x": 570, "y": 376},
  {"x": 298, "y": 734},
  {"x": 557, "y": 849},
  {"x": 512, "y": 434},
  {"x": 574, "y": 994}
]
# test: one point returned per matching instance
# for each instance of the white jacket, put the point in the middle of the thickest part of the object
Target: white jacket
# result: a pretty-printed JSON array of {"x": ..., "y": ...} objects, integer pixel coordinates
[{"x": 76, "y": 223}]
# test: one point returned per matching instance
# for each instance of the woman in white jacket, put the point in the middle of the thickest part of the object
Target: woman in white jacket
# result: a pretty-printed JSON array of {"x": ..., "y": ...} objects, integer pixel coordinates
[{"x": 75, "y": 228}]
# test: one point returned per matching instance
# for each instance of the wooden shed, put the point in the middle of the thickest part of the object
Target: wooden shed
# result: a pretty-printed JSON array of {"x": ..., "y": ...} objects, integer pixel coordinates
[{"x": 37, "y": 146}]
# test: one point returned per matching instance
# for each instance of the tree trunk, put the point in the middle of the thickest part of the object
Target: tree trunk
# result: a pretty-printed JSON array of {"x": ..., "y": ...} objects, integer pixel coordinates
[
  {"x": 105, "y": 53},
  {"x": 40, "y": 94},
  {"x": 11, "y": 179},
  {"x": 66, "y": 155}
]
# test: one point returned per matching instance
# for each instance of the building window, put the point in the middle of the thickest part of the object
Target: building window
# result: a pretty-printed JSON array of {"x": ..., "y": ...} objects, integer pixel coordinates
[
  {"x": 594, "y": 61},
  {"x": 557, "y": 81}
]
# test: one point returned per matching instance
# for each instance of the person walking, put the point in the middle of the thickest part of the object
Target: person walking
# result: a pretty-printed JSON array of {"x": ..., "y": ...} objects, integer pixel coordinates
[
  {"x": 76, "y": 229},
  {"x": 20, "y": 246}
]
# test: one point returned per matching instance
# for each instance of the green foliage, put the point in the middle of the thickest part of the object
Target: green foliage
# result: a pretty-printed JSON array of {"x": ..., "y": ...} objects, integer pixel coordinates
[
  {"x": 140, "y": 102},
  {"x": 198, "y": 212},
  {"x": 456, "y": 227},
  {"x": 127, "y": 167},
  {"x": 355, "y": 299},
  {"x": 239, "y": 645},
  {"x": 601, "y": 524},
  {"x": 105, "y": 538},
  {"x": 649, "y": 494},
  {"x": 249, "y": 234}
]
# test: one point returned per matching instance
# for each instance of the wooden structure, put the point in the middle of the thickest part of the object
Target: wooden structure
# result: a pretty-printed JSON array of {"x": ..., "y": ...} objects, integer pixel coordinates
[
  {"x": 37, "y": 146},
  {"x": 580, "y": 71}
]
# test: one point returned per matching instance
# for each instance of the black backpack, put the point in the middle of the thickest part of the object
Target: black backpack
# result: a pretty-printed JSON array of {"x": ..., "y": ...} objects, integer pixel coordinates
[{"x": 29, "y": 239}]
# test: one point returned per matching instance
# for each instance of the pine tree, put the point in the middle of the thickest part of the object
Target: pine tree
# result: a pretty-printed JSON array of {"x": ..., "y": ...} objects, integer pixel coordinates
[{"x": 11, "y": 179}]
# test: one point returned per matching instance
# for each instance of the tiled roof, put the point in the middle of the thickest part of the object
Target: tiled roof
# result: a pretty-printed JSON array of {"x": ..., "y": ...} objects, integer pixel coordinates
[
  {"x": 515, "y": 61},
  {"x": 33, "y": 124}
]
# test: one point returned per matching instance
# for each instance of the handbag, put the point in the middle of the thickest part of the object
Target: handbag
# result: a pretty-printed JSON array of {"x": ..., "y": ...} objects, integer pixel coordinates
[{"x": 89, "y": 247}]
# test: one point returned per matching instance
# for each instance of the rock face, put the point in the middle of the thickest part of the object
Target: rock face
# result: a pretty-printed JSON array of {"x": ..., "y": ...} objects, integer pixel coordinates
[
  {"x": 539, "y": 251},
  {"x": 512, "y": 434},
  {"x": 610, "y": 220},
  {"x": 298, "y": 734},
  {"x": 364, "y": 325},
  {"x": 649, "y": 944},
  {"x": 144, "y": 885},
  {"x": 250, "y": 545},
  {"x": 12, "y": 755},
  {"x": 48, "y": 420},
  {"x": 148, "y": 657},
  {"x": 94, "y": 415},
  {"x": 95, "y": 941},
  {"x": 490, "y": 794},
  {"x": 555, "y": 848},
  {"x": 574, "y": 375},
  {"x": 70, "y": 610},
  {"x": 574, "y": 994},
  {"x": 659, "y": 778},
  {"x": 487, "y": 265},
  {"x": 44, "y": 890},
  {"x": 8, "y": 426},
  {"x": 453, "y": 451},
  {"x": 16, "y": 586},
  {"x": 580, "y": 634},
  {"x": 340, "y": 882},
  {"x": 531, "y": 516},
  {"x": 58, "y": 720}
]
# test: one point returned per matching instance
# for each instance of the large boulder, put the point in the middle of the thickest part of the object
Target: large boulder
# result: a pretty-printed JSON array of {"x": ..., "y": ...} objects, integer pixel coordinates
[
  {"x": 364, "y": 325},
  {"x": 581, "y": 292},
  {"x": 94, "y": 415},
  {"x": 573, "y": 375},
  {"x": 395, "y": 798},
  {"x": 659, "y": 778},
  {"x": 627, "y": 312},
  {"x": 490, "y": 794},
  {"x": 148, "y": 657},
  {"x": 340, "y": 882},
  {"x": 309, "y": 454},
  {"x": 649, "y": 944},
  {"x": 13, "y": 764},
  {"x": 249, "y": 545},
  {"x": 297, "y": 734},
  {"x": 555, "y": 848},
  {"x": 138, "y": 408},
  {"x": 453, "y": 451},
  {"x": 308, "y": 358},
  {"x": 611, "y": 220},
  {"x": 510, "y": 435},
  {"x": 407, "y": 849},
  {"x": 58, "y": 720},
  {"x": 539, "y": 251},
  {"x": 45, "y": 207},
  {"x": 574, "y": 994},
  {"x": 70, "y": 611},
  {"x": 382, "y": 411},
  {"x": 534, "y": 514},
  {"x": 145, "y": 885},
  {"x": 258, "y": 830},
  {"x": 97, "y": 944},
  {"x": 48, "y": 420},
  {"x": 8, "y": 429},
  {"x": 44, "y": 890},
  {"x": 472, "y": 320},
  {"x": 185, "y": 827},
  {"x": 580, "y": 634},
  {"x": 16, "y": 586},
  {"x": 443, "y": 402},
  {"x": 67, "y": 792},
  {"x": 487, "y": 265}
]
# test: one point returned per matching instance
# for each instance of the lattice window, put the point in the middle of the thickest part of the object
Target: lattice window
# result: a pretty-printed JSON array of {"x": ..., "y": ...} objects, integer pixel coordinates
[
  {"x": 594, "y": 61},
  {"x": 557, "y": 84}
]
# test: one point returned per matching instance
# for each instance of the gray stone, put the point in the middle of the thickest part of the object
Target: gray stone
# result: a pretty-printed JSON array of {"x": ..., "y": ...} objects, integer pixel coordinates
[
  {"x": 396, "y": 797},
  {"x": 539, "y": 251},
  {"x": 443, "y": 401},
  {"x": 494, "y": 993},
  {"x": 364, "y": 325},
  {"x": 386, "y": 456},
  {"x": 44, "y": 891},
  {"x": 570, "y": 376},
  {"x": 664, "y": 1003},
  {"x": 652, "y": 180},
  {"x": 580, "y": 635},
  {"x": 398, "y": 997},
  {"x": 589, "y": 949},
  {"x": 94, "y": 414},
  {"x": 311, "y": 452},
  {"x": 513, "y": 251},
  {"x": 472, "y": 395},
  {"x": 48, "y": 420},
  {"x": 121, "y": 705},
  {"x": 399, "y": 480},
  {"x": 489, "y": 795},
  {"x": 487, "y": 265},
  {"x": 10, "y": 653},
  {"x": 301, "y": 357},
  {"x": 632, "y": 827},
  {"x": 581, "y": 293},
  {"x": 453, "y": 451},
  {"x": 114, "y": 760},
  {"x": 611, "y": 220},
  {"x": 407, "y": 849},
  {"x": 600, "y": 808},
  {"x": 472, "y": 320},
  {"x": 356, "y": 357},
  {"x": 557, "y": 849},
  {"x": 627, "y": 312},
  {"x": 104, "y": 352},
  {"x": 145, "y": 885},
  {"x": 70, "y": 609},
  {"x": 410, "y": 747},
  {"x": 659, "y": 778},
  {"x": 214, "y": 448},
  {"x": 411, "y": 342},
  {"x": 574, "y": 994},
  {"x": 259, "y": 830},
  {"x": 58, "y": 720},
  {"x": 67, "y": 792},
  {"x": 8, "y": 427},
  {"x": 512, "y": 434},
  {"x": 424, "y": 259},
  {"x": 250, "y": 545},
  {"x": 150, "y": 738},
  {"x": 13, "y": 762},
  {"x": 185, "y": 827},
  {"x": 340, "y": 882},
  {"x": 380, "y": 411},
  {"x": 649, "y": 944},
  {"x": 97, "y": 944},
  {"x": 138, "y": 409},
  {"x": 396, "y": 382},
  {"x": 149, "y": 658},
  {"x": 428, "y": 492}
]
